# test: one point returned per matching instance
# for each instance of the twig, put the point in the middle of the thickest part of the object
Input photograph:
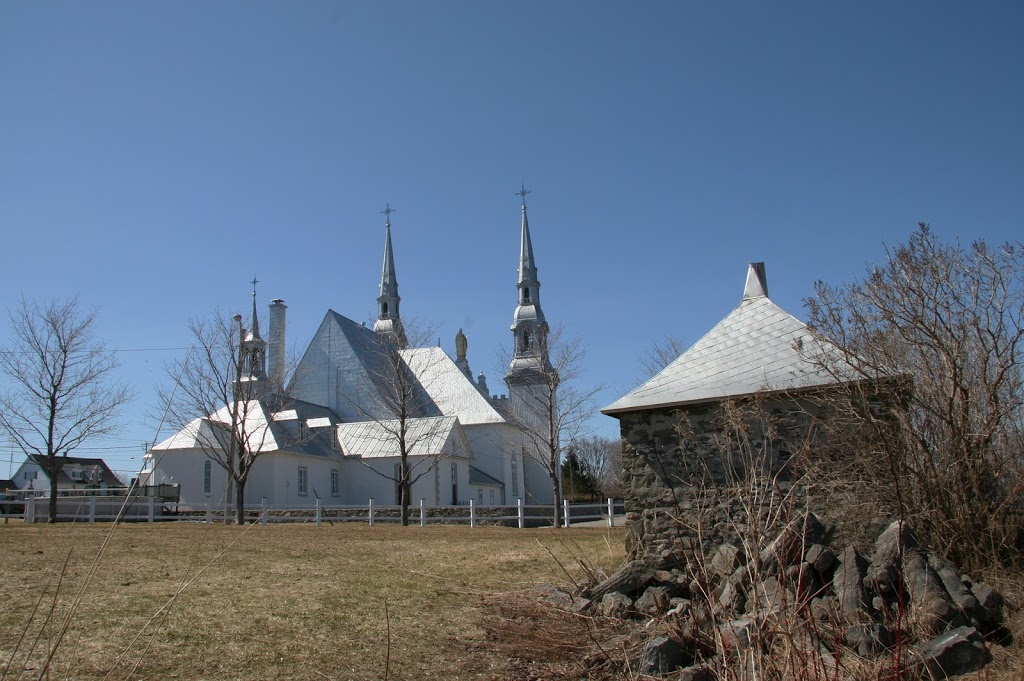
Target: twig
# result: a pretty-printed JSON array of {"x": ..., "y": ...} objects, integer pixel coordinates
[
  {"x": 387, "y": 650},
  {"x": 559, "y": 563}
]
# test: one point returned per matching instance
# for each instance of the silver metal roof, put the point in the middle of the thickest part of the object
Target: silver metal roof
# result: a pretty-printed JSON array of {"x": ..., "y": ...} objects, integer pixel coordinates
[
  {"x": 758, "y": 347},
  {"x": 441, "y": 435},
  {"x": 448, "y": 387}
]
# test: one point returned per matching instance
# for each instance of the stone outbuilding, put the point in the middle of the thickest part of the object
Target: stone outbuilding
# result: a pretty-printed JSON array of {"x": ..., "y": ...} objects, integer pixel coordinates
[{"x": 741, "y": 400}]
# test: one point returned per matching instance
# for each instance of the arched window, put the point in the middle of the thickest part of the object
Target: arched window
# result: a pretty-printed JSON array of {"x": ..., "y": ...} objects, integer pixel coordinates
[
  {"x": 526, "y": 296},
  {"x": 526, "y": 339},
  {"x": 384, "y": 310}
]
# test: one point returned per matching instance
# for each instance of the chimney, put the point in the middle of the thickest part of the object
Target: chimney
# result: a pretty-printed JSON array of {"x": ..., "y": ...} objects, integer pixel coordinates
[
  {"x": 275, "y": 346},
  {"x": 757, "y": 282}
]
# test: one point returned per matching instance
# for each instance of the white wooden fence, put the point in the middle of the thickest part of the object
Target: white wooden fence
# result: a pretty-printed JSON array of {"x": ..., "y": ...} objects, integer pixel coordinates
[{"x": 96, "y": 508}]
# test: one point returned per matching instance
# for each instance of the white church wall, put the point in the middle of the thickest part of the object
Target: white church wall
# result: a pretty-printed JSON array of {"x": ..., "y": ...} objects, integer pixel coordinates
[
  {"x": 494, "y": 445},
  {"x": 187, "y": 468},
  {"x": 537, "y": 479},
  {"x": 295, "y": 481},
  {"x": 434, "y": 487}
]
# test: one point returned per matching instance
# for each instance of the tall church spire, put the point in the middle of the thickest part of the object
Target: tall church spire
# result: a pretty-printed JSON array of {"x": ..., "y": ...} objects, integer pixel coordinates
[
  {"x": 529, "y": 328},
  {"x": 389, "y": 322},
  {"x": 253, "y": 353},
  {"x": 254, "y": 323}
]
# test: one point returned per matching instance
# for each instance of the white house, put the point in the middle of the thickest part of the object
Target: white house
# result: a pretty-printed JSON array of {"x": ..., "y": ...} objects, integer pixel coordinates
[{"x": 76, "y": 473}]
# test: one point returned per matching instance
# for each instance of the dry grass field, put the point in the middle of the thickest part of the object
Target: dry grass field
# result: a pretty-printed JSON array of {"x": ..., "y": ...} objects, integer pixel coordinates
[{"x": 196, "y": 601}]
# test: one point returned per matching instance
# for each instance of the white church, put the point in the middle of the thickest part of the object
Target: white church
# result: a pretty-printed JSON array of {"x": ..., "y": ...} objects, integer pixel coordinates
[{"x": 332, "y": 433}]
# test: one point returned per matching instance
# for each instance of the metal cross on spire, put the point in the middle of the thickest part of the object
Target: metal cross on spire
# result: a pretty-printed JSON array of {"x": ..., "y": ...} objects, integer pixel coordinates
[
  {"x": 523, "y": 191},
  {"x": 388, "y": 210},
  {"x": 254, "y": 282}
]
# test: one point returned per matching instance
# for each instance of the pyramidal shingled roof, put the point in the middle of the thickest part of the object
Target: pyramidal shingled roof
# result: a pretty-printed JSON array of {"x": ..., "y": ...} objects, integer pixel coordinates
[{"x": 758, "y": 347}]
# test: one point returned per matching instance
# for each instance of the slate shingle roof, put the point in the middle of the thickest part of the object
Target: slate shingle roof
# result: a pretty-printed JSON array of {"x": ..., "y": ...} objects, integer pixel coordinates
[{"x": 758, "y": 347}]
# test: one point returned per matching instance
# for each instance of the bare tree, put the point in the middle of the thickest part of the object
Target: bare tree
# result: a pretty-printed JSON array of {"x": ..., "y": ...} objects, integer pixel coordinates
[
  {"x": 61, "y": 393},
  {"x": 221, "y": 396},
  {"x": 601, "y": 458},
  {"x": 941, "y": 325},
  {"x": 659, "y": 354},
  {"x": 551, "y": 410},
  {"x": 401, "y": 407}
]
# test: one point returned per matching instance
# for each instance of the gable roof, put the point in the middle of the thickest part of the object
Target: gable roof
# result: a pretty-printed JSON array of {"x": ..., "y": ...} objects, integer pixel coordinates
[
  {"x": 71, "y": 462},
  {"x": 448, "y": 387},
  {"x": 758, "y": 347},
  {"x": 346, "y": 368},
  {"x": 266, "y": 430},
  {"x": 439, "y": 435}
]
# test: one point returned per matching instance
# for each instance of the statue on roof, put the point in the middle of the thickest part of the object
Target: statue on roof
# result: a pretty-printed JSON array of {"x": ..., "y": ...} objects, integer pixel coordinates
[{"x": 461, "y": 345}]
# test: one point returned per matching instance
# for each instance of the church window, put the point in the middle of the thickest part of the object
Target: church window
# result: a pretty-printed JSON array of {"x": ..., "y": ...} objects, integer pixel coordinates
[
  {"x": 303, "y": 480},
  {"x": 455, "y": 484},
  {"x": 335, "y": 482},
  {"x": 207, "y": 477},
  {"x": 526, "y": 339},
  {"x": 384, "y": 310},
  {"x": 526, "y": 296},
  {"x": 480, "y": 497},
  {"x": 492, "y": 497},
  {"x": 437, "y": 484}
]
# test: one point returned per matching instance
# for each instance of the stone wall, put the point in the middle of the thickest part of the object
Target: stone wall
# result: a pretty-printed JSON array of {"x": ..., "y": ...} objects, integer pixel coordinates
[{"x": 695, "y": 475}]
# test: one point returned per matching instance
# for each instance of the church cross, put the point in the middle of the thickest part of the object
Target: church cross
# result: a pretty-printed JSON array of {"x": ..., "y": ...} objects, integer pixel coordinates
[
  {"x": 523, "y": 191},
  {"x": 388, "y": 210},
  {"x": 254, "y": 282}
]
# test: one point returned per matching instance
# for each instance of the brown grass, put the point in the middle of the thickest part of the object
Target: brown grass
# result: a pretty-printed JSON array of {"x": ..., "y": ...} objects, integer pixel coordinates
[{"x": 284, "y": 602}]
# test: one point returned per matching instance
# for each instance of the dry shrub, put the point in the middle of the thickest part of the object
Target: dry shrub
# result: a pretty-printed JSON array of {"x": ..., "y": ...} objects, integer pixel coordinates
[
  {"x": 543, "y": 640},
  {"x": 942, "y": 326}
]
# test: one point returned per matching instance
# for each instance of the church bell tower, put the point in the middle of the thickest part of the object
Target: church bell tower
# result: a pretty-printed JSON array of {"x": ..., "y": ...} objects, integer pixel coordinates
[
  {"x": 389, "y": 323},
  {"x": 252, "y": 369},
  {"x": 530, "y": 362}
]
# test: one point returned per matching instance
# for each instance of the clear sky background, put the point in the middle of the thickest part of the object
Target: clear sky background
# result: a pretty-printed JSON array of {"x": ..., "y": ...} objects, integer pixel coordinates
[{"x": 155, "y": 156}]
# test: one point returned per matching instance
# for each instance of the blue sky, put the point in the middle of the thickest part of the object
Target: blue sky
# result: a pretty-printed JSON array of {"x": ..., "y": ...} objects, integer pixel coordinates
[{"x": 154, "y": 156}]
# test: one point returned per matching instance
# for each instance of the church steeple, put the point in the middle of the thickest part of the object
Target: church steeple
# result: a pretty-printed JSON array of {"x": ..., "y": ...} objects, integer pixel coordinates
[
  {"x": 389, "y": 322},
  {"x": 253, "y": 352},
  {"x": 529, "y": 328}
]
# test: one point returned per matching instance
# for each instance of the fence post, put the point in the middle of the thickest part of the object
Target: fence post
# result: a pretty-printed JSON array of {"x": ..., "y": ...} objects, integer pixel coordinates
[
  {"x": 423, "y": 517},
  {"x": 318, "y": 513},
  {"x": 611, "y": 512},
  {"x": 565, "y": 509},
  {"x": 209, "y": 512},
  {"x": 472, "y": 514},
  {"x": 519, "y": 508},
  {"x": 30, "y": 510},
  {"x": 371, "y": 511},
  {"x": 152, "y": 508},
  {"x": 92, "y": 509}
]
